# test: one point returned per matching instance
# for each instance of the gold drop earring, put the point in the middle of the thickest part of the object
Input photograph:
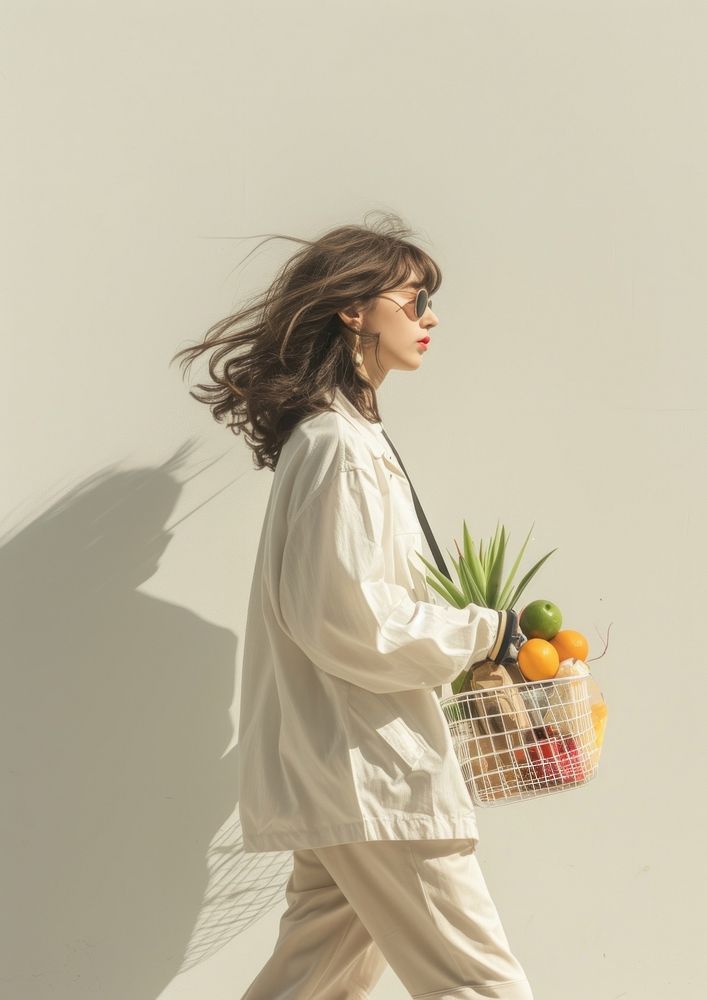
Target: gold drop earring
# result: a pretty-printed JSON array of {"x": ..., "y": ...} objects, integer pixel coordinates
[{"x": 358, "y": 357}]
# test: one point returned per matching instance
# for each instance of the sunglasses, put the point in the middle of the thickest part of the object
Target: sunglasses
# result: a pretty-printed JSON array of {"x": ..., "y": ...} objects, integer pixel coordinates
[{"x": 422, "y": 301}]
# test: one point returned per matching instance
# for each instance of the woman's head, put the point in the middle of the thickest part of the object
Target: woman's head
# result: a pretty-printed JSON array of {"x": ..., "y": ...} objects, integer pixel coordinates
[
  {"x": 393, "y": 324},
  {"x": 347, "y": 295}
]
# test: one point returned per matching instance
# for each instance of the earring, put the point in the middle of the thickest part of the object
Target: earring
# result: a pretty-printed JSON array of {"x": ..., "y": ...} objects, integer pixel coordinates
[{"x": 358, "y": 357}]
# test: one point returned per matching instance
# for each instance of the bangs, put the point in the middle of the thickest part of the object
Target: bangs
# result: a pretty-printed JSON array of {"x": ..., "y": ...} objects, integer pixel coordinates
[{"x": 408, "y": 258}]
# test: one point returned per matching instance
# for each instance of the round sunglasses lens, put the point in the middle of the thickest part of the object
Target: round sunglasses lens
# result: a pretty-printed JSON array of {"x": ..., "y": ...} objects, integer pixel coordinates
[{"x": 421, "y": 303}]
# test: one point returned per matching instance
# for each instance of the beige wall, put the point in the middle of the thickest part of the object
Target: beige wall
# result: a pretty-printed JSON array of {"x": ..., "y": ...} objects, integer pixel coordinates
[{"x": 553, "y": 156}]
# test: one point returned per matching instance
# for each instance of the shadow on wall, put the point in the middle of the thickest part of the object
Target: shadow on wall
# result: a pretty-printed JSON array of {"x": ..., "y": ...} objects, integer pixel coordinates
[{"x": 120, "y": 847}]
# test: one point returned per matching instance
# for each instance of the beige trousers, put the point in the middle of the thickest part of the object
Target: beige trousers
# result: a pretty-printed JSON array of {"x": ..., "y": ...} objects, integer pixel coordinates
[{"x": 420, "y": 906}]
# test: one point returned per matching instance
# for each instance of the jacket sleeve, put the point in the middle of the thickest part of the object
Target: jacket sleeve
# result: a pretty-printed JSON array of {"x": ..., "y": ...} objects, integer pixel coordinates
[{"x": 351, "y": 620}]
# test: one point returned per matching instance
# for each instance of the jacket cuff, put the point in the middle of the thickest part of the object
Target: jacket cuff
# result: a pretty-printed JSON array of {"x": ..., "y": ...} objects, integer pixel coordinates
[{"x": 503, "y": 636}]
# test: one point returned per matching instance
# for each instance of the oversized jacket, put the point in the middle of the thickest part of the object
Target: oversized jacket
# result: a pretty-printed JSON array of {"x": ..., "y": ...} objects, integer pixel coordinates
[{"x": 347, "y": 652}]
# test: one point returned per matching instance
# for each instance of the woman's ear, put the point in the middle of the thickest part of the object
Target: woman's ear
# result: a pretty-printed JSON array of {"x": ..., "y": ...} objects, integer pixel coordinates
[{"x": 351, "y": 317}]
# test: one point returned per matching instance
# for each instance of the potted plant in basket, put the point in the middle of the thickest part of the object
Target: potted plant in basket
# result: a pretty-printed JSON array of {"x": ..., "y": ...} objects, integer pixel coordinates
[{"x": 480, "y": 576}]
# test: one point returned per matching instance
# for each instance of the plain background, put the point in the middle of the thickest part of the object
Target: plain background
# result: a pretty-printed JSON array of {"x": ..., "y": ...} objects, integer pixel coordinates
[{"x": 552, "y": 158}]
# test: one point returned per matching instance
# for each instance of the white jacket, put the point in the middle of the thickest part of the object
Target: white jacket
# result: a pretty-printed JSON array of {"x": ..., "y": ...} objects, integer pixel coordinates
[{"x": 346, "y": 653}]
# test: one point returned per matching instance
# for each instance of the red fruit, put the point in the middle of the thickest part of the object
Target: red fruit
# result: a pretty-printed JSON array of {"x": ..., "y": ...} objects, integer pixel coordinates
[{"x": 555, "y": 759}]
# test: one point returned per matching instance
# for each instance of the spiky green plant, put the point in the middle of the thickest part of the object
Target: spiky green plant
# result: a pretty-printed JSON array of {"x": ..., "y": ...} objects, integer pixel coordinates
[{"x": 480, "y": 575}]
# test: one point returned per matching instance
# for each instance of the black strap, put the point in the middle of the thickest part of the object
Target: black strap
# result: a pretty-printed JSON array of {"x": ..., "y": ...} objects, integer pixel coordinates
[
  {"x": 434, "y": 547},
  {"x": 511, "y": 616}
]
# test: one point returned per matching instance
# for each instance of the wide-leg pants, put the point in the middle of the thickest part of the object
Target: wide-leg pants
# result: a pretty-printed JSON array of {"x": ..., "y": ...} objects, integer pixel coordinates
[{"x": 421, "y": 906}]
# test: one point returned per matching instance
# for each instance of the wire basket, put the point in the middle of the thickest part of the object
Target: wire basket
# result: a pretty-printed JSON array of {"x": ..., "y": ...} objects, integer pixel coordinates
[{"x": 528, "y": 739}]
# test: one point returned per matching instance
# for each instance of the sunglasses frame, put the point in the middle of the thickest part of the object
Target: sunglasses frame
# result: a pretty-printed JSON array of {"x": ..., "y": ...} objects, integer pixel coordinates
[
  {"x": 416, "y": 300},
  {"x": 428, "y": 302}
]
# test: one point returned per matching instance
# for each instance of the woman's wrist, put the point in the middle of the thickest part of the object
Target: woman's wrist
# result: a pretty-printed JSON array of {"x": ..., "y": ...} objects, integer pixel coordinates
[{"x": 508, "y": 637}]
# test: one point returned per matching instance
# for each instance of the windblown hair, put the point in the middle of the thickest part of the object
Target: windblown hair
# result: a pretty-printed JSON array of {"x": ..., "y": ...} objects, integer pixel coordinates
[{"x": 286, "y": 350}]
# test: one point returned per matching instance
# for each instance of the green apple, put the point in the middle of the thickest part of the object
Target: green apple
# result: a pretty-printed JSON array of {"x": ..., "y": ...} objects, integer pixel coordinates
[{"x": 540, "y": 620}]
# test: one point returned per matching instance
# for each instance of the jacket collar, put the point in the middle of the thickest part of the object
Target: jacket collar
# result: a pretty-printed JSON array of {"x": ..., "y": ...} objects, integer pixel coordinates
[{"x": 373, "y": 432}]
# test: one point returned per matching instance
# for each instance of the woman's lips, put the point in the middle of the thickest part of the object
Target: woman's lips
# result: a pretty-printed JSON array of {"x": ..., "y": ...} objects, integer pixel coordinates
[{"x": 424, "y": 340}]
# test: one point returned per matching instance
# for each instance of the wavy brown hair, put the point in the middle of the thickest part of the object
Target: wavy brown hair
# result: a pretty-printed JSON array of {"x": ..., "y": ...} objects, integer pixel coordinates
[{"x": 283, "y": 353}]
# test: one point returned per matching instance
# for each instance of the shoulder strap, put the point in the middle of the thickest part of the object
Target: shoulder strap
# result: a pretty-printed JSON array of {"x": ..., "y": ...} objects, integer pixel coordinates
[
  {"x": 434, "y": 547},
  {"x": 507, "y": 620}
]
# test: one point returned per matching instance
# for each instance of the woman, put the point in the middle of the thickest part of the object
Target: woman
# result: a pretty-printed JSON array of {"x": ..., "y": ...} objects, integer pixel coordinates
[{"x": 345, "y": 755}]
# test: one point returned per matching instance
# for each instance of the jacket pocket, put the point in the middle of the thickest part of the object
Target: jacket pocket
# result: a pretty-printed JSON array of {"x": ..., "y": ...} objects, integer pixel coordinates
[
  {"x": 400, "y": 738},
  {"x": 375, "y": 717}
]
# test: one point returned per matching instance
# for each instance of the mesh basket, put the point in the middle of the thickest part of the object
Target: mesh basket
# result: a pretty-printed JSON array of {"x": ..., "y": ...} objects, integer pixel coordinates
[{"x": 527, "y": 739}]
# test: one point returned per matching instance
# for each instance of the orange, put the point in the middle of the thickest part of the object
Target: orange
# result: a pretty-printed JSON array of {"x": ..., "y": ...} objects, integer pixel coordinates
[
  {"x": 538, "y": 659},
  {"x": 570, "y": 645}
]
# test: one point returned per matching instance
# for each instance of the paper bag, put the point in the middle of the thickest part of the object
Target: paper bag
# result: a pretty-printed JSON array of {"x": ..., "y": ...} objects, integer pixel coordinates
[{"x": 500, "y": 723}]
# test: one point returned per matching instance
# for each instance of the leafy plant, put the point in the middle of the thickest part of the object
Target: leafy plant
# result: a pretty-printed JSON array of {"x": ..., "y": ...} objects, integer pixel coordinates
[{"x": 480, "y": 574}]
